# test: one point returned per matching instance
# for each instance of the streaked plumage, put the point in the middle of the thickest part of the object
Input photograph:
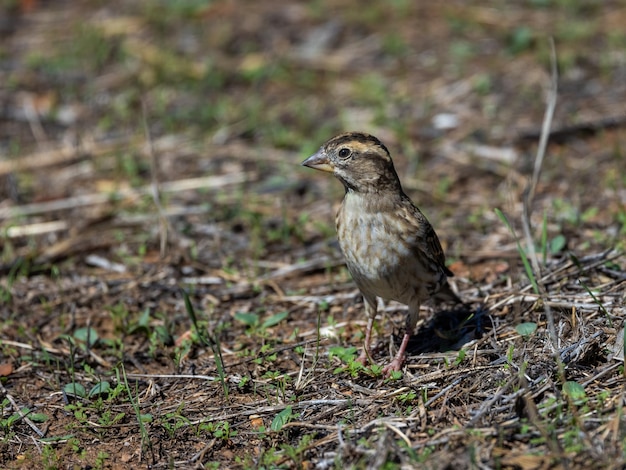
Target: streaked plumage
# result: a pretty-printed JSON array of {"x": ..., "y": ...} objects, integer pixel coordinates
[{"x": 391, "y": 249}]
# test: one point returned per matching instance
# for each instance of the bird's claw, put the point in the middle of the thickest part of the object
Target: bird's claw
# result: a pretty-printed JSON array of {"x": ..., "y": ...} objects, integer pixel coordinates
[
  {"x": 393, "y": 366},
  {"x": 365, "y": 358}
]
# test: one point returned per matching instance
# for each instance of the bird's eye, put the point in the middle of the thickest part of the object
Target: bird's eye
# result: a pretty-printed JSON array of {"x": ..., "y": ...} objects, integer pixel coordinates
[{"x": 344, "y": 153}]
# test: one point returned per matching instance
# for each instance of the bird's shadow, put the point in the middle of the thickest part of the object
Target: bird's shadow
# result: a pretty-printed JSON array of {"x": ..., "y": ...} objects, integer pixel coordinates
[{"x": 450, "y": 330}]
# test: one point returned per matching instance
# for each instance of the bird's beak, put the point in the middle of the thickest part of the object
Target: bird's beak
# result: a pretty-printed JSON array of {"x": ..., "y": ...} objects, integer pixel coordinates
[{"x": 319, "y": 161}]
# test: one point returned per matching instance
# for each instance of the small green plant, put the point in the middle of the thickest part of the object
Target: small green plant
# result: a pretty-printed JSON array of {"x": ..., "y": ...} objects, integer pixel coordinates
[
  {"x": 482, "y": 83},
  {"x": 526, "y": 329},
  {"x": 520, "y": 40},
  {"x": 7, "y": 424},
  {"x": 206, "y": 338},
  {"x": 280, "y": 380},
  {"x": 120, "y": 316},
  {"x": 85, "y": 338},
  {"x": 219, "y": 430},
  {"x": 461, "y": 50},
  {"x": 572, "y": 441},
  {"x": 281, "y": 419},
  {"x": 460, "y": 357},
  {"x": 265, "y": 355},
  {"x": 254, "y": 324},
  {"x": 5, "y": 294},
  {"x": 394, "y": 44},
  {"x": 243, "y": 382},
  {"x": 509, "y": 354},
  {"x": 574, "y": 391},
  {"x": 142, "y": 418},
  {"x": 376, "y": 370},
  {"x": 353, "y": 368},
  {"x": 75, "y": 446},
  {"x": 79, "y": 411},
  {"x": 522, "y": 253},
  {"x": 408, "y": 397},
  {"x": 75, "y": 389},
  {"x": 49, "y": 457},
  {"x": 344, "y": 354},
  {"x": 101, "y": 459},
  {"x": 295, "y": 453},
  {"x": 553, "y": 246},
  {"x": 172, "y": 422},
  {"x": 110, "y": 418},
  {"x": 19, "y": 267},
  {"x": 598, "y": 303},
  {"x": 348, "y": 357}
]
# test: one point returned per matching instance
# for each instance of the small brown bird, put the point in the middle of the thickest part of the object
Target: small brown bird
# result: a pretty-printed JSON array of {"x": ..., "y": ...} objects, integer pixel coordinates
[{"x": 390, "y": 248}]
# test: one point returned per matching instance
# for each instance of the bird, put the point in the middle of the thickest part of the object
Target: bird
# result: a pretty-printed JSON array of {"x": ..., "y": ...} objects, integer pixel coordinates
[{"x": 390, "y": 248}]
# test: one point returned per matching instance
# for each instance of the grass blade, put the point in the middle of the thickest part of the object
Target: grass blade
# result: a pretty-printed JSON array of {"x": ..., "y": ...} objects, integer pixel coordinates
[
  {"x": 525, "y": 261},
  {"x": 207, "y": 339}
]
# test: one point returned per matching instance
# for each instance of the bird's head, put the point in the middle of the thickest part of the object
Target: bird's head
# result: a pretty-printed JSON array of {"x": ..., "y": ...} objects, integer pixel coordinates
[{"x": 360, "y": 161}]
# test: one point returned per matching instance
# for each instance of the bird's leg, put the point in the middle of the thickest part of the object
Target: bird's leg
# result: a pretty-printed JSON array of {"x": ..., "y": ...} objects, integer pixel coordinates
[
  {"x": 411, "y": 321},
  {"x": 370, "y": 309}
]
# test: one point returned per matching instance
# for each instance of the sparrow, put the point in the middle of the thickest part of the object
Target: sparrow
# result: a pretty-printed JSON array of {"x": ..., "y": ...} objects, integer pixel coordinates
[{"x": 390, "y": 248}]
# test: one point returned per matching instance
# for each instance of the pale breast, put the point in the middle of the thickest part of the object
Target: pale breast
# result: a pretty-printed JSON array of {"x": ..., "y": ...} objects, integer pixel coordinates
[{"x": 381, "y": 254}]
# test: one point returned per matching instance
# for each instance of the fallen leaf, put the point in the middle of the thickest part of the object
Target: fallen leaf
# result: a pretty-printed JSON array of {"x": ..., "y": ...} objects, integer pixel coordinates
[{"x": 6, "y": 369}]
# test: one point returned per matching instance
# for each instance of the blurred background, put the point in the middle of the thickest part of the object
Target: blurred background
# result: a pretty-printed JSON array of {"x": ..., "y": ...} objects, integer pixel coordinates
[
  {"x": 151, "y": 145},
  {"x": 98, "y": 97}
]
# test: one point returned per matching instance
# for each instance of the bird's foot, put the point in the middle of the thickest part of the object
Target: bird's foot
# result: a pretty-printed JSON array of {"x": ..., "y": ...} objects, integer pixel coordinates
[
  {"x": 398, "y": 360},
  {"x": 393, "y": 366},
  {"x": 364, "y": 358}
]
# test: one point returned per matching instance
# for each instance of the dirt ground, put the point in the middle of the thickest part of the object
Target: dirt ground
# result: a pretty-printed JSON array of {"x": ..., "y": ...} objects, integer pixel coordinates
[{"x": 171, "y": 291}]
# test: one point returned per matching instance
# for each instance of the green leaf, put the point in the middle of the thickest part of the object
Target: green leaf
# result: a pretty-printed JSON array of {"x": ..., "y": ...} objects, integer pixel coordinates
[
  {"x": 143, "y": 324},
  {"x": 557, "y": 244},
  {"x": 86, "y": 336},
  {"x": 274, "y": 319},
  {"x": 101, "y": 388},
  {"x": 395, "y": 375},
  {"x": 250, "y": 319},
  {"x": 281, "y": 419},
  {"x": 38, "y": 417},
  {"x": 144, "y": 319},
  {"x": 574, "y": 390},
  {"x": 75, "y": 389},
  {"x": 589, "y": 214},
  {"x": 526, "y": 328},
  {"x": 162, "y": 334},
  {"x": 520, "y": 40},
  {"x": 346, "y": 355},
  {"x": 460, "y": 357}
]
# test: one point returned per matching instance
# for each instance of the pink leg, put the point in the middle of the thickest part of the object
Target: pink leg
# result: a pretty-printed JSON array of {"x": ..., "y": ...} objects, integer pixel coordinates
[
  {"x": 398, "y": 360},
  {"x": 411, "y": 321}
]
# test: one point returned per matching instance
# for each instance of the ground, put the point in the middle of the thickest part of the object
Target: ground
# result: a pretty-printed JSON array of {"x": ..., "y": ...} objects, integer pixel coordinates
[{"x": 172, "y": 294}]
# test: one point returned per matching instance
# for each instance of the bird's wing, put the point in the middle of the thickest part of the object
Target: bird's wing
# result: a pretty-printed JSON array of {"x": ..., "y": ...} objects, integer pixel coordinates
[{"x": 427, "y": 242}]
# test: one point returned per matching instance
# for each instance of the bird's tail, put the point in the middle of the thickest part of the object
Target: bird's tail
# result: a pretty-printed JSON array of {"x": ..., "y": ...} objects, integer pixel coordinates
[{"x": 446, "y": 294}]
